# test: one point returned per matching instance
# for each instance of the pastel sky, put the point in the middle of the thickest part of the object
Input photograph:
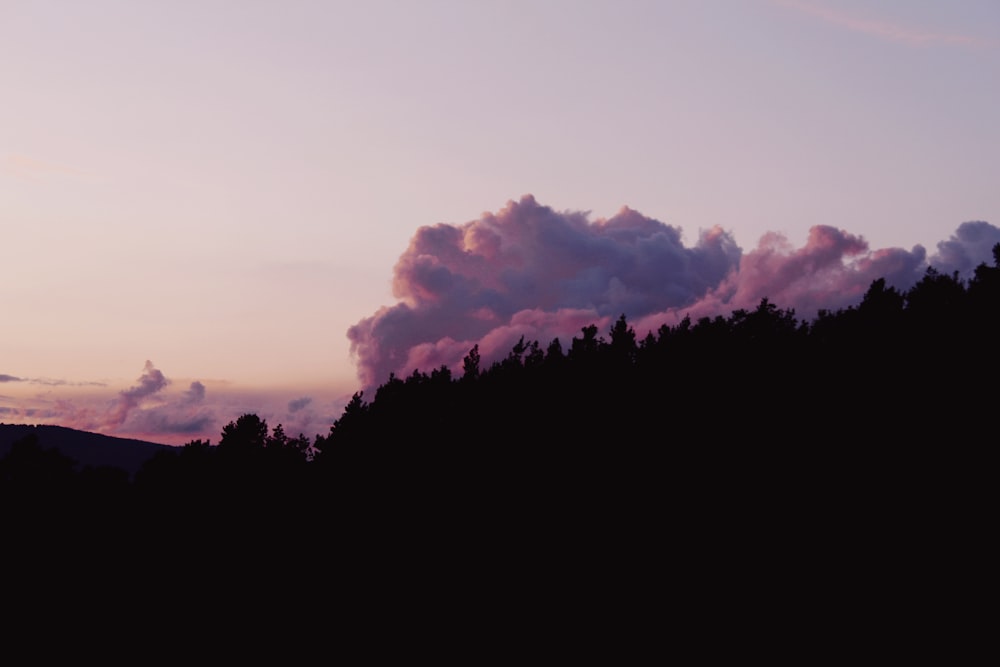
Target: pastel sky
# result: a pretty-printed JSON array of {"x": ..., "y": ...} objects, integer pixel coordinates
[{"x": 200, "y": 199}]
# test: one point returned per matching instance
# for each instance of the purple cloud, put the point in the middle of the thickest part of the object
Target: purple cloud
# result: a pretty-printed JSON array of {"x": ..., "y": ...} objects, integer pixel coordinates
[
  {"x": 459, "y": 283},
  {"x": 970, "y": 245},
  {"x": 299, "y": 403},
  {"x": 531, "y": 271},
  {"x": 150, "y": 382}
]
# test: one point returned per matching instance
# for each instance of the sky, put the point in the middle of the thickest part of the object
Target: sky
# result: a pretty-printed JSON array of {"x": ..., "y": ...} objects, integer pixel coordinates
[{"x": 214, "y": 207}]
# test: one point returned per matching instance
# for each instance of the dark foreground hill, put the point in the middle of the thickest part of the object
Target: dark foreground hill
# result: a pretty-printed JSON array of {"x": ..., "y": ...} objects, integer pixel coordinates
[
  {"x": 86, "y": 448},
  {"x": 752, "y": 473}
]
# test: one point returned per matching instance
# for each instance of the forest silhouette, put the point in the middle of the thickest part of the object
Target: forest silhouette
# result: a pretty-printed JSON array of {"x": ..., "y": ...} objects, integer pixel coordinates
[
  {"x": 696, "y": 442},
  {"x": 897, "y": 368}
]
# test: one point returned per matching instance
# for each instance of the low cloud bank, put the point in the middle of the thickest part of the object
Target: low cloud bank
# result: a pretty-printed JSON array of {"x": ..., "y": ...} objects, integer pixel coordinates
[
  {"x": 149, "y": 410},
  {"x": 531, "y": 271}
]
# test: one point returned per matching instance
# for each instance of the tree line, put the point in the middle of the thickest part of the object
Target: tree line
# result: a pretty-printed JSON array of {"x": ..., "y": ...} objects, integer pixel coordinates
[{"x": 611, "y": 420}]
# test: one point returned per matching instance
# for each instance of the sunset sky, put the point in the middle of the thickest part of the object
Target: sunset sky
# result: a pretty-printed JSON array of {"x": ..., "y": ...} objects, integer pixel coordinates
[{"x": 199, "y": 200}]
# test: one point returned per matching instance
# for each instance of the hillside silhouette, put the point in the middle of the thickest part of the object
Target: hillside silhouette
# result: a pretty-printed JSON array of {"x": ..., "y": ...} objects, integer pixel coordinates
[
  {"x": 87, "y": 449},
  {"x": 737, "y": 455},
  {"x": 898, "y": 369}
]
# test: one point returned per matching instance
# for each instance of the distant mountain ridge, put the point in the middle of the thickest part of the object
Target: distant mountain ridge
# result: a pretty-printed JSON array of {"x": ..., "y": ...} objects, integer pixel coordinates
[{"x": 86, "y": 448}]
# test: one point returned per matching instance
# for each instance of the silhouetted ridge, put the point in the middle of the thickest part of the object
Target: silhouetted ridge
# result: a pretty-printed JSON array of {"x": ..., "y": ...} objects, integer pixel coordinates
[
  {"x": 707, "y": 379},
  {"x": 698, "y": 439},
  {"x": 84, "y": 447}
]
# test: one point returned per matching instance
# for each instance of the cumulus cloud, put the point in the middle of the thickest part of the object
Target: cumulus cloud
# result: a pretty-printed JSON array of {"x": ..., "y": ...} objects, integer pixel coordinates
[
  {"x": 194, "y": 394},
  {"x": 184, "y": 415},
  {"x": 150, "y": 410},
  {"x": 459, "y": 283},
  {"x": 970, "y": 245},
  {"x": 144, "y": 409},
  {"x": 832, "y": 270},
  {"x": 531, "y": 271},
  {"x": 150, "y": 382},
  {"x": 141, "y": 408}
]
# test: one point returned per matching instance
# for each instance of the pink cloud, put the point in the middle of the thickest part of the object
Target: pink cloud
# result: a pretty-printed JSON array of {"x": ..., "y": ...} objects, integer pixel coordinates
[
  {"x": 832, "y": 270},
  {"x": 880, "y": 29},
  {"x": 142, "y": 410},
  {"x": 462, "y": 284},
  {"x": 150, "y": 382},
  {"x": 530, "y": 271},
  {"x": 149, "y": 413}
]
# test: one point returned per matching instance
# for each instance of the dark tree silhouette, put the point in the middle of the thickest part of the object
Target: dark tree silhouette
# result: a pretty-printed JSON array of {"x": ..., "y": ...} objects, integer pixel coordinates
[
  {"x": 693, "y": 445},
  {"x": 470, "y": 364},
  {"x": 248, "y": 432},
  {"x": 623, "y": 343}
]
